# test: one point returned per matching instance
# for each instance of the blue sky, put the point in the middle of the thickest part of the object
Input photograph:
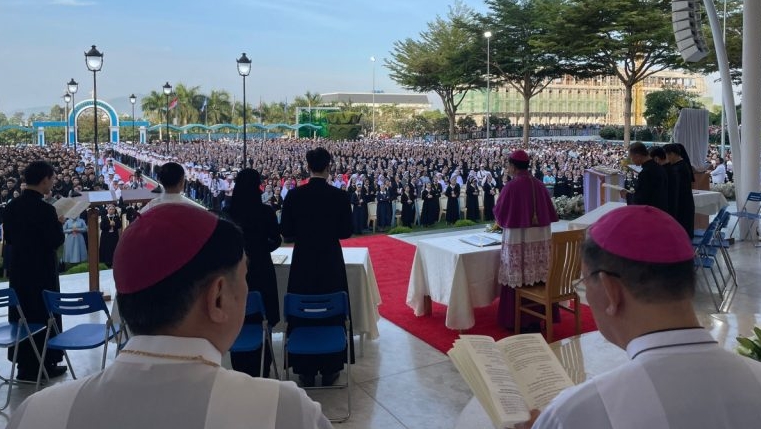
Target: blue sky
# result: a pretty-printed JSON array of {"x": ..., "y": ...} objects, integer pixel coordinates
[{"x": 295, "y": 45}]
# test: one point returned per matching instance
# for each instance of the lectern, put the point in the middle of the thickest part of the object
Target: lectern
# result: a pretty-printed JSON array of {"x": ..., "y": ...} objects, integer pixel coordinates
[
  {"x": 595, "y": 194},
  {"x": 98, "y": 198}
]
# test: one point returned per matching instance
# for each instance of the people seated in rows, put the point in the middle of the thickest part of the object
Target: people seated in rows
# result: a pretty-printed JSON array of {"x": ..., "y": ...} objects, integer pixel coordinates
[{"x": 180, "y": 276}]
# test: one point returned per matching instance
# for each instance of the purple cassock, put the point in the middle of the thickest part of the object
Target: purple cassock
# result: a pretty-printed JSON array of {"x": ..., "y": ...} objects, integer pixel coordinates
[{"x": 525, "y": 211}]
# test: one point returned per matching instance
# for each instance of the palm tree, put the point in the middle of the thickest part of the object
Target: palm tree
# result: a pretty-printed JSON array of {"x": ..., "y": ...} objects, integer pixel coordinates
[
  {"x": 154, "y": 105},
  {"x": 189, "y": 101},
  {"x": 218, "y": 107}
]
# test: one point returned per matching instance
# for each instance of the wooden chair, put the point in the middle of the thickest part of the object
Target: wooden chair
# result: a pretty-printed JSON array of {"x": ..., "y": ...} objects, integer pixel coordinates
[
  {"x": 565, "y": 267},
  {"x": 372, "y": 214}
]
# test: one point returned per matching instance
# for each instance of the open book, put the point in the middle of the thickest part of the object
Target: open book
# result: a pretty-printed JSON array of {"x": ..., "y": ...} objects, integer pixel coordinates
[
  {"x": 481, "y": 240},
  {"x": 616, "y": 187},
  {"x": 509, "y": 377},
  {"x": 70, "y": 208}
]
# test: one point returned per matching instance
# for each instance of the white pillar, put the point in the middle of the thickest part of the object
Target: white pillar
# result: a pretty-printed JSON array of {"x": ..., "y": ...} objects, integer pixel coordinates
[{"x": 751, "y": 109}]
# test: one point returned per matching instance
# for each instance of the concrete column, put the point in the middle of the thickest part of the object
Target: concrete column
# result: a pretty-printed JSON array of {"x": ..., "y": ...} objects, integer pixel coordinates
[
  {"x": 143, "y": 138},
  {"x": 41, "y": 136},
  {"x": 751, "y": 110}
]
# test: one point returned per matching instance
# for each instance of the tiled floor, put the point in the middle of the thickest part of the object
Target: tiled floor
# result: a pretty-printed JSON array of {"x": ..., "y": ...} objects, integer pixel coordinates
[{"x": 401, "y": 382}]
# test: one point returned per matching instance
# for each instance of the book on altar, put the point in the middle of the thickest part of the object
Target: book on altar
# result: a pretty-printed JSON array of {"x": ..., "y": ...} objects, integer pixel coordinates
[
  {"x": 70, "y": 208},
  {"x": 511, "y": 376},
  {"x": 616, "y": 187},
  {"x": 480, "y": 240}
]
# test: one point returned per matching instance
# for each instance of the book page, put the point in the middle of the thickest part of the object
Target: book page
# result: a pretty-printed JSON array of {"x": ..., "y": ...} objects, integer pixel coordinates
[
  {"x": 482, "y": 365},
  {"x": 69, "y": 207},
  {"x": 535, "y": 367}
]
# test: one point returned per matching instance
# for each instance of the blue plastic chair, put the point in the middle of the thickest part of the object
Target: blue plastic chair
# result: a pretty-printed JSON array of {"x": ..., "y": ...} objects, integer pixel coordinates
[
  {"x": 753, "y": 217},
  {"x": 13, "y": 333},
  {"x": 319, "y": 340},
  {"x": 80, "y": 337},
  {"x": 252, "y": 336}
]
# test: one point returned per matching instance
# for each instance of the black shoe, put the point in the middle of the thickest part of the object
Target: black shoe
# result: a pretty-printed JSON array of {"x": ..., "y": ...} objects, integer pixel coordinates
[
  {"x": 535, "y": 327},
  {"x": 306, "y": 380},
  {"x": 56, "y": 370},
  {"x": 329, "y": 379},
  {"x": 27, "y": 377}
]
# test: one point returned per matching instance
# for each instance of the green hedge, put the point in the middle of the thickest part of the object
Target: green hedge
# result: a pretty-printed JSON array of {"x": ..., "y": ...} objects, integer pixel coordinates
[
  {"x": 399, "y": 230},
  {"x": 84, "y": 267}
]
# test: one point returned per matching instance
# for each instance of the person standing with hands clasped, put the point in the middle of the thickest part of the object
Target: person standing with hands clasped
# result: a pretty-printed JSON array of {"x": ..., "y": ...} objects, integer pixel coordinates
[
  {"x": 314, "y": 217},
  {"x": 637, "y": 268},
  {"x": 261, "y": 235},
  {"x": 34, "y": 232}
]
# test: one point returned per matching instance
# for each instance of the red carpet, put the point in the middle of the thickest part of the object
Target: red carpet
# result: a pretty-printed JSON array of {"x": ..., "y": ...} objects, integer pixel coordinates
[
  {"x": 124, "y": 172},
  {"x": 392, "y": 263}
]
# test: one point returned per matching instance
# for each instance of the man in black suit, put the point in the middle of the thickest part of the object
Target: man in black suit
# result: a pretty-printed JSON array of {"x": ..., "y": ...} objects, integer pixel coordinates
[
  {"x": 33, "y": 231},
  {"x": 314, "y": 217},
  {"x": 651, "y": 188}
]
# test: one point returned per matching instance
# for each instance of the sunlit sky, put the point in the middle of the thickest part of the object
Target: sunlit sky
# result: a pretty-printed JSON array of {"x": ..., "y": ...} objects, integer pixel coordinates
[{"x": 295, "y": 45}]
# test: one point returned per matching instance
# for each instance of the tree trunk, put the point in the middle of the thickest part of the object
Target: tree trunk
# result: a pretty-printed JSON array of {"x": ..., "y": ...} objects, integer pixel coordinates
[
  {"x": 627, "y": 112},
  {"x": 451, "y": 117},
  {"x": 526, "y": 117}
]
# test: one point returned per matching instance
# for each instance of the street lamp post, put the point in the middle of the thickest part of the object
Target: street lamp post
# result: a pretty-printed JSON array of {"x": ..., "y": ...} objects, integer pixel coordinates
[
  {"x": 67, "y": 100},
  {"x": 133, "y": 99},
  {"x": 94, "y": 61},
  {"x": 373, "y": 61},
  {"x": 488, "y": 83},
  {"x": 167, "y": 91},
  {"x": 72, "y": 88},
  {"x": 244, "y": 68}
]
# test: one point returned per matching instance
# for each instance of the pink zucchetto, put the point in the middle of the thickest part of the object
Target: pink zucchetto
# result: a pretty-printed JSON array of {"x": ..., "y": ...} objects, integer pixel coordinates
[
  {"x": 159, "y": 243},
  {"x": 642, "y": 234},
  {"x": 519, "y": 155}
]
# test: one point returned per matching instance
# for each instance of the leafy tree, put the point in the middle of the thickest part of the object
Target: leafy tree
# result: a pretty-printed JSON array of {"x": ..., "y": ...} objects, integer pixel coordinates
[
  {"x": 154, "y": 106},
  {"x": 516, "y": 56},
  {"x": 466, "y": 123},
  {"x": 630, "y": 39},
  {"x": 662, "y": 107},
  {"x": 189, "y": 101},
  {"x": 446, "y": 60}
]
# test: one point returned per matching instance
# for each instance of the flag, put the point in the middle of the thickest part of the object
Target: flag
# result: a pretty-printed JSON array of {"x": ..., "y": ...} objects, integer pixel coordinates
[
  {"x": 203, "y": 106},
  {"x": 173, "y": 103}
]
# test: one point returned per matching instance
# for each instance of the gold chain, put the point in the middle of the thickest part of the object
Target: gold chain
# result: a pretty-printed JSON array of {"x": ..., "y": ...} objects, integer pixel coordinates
[{"x": 198, "y": 358}]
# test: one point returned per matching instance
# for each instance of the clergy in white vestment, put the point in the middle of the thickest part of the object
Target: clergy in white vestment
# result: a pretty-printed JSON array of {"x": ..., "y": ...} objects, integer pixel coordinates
[
  {"x": 637, "y": 266},
  {"x": 180, "y": 275},
  {"x": 172, "y": 179}
]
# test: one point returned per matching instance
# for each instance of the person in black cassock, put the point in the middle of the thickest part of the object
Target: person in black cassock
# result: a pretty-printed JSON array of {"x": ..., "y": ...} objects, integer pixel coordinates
[
  {"x": 651, "y": 187},
  {"x": 34, "y": 232},
  {"x": 262, "y": 235},
  {"x": 684, "y": 204},
  {"x": 314, "y": 217}
]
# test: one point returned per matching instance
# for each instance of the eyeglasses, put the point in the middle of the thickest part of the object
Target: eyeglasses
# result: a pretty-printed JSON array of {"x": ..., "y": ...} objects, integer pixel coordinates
[{"x": 579, "y": 285}]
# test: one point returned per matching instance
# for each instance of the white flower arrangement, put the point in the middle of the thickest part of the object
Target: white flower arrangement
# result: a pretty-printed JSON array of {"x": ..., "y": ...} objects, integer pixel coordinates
[
  {"x": 727, "y": 189},
  {"x": 569, "y": 207}
]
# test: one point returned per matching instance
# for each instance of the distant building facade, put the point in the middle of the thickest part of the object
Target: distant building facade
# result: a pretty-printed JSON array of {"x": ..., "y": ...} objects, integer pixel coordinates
[
  {"x": 417, "y": 102},
  {"x": 568, "y": 100}
]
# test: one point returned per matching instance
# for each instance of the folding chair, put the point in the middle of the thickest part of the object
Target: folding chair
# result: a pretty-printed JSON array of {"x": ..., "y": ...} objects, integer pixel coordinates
[
  {"x": 253, "y": 335},
  {"x": 700, "y": 232},
  {"x": 319, "y": 340},
  {"x": 80, "y": 337},
  {"x": 13, "y": 333},
  {"x": 705, "y": 258},
  {"x": 753, "y": 197}
]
